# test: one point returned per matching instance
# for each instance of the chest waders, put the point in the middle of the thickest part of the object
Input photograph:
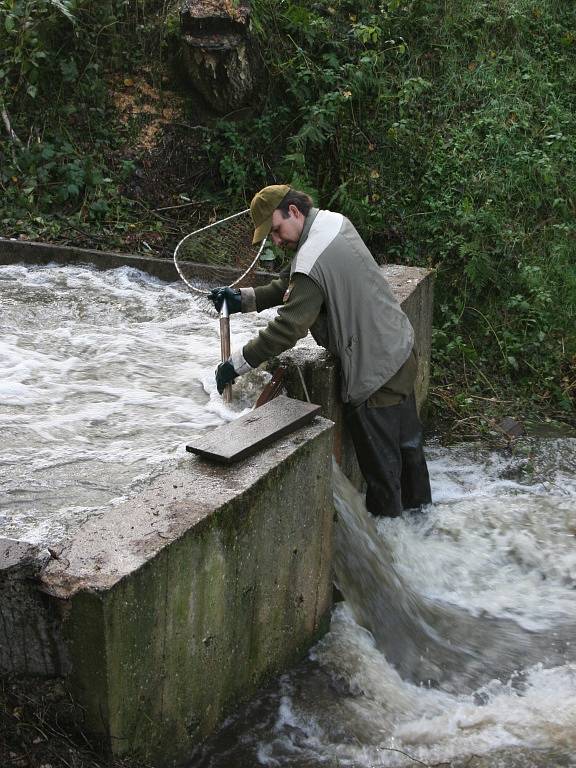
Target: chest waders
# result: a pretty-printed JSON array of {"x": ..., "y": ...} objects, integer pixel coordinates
[{"x": 388, "y": 444}]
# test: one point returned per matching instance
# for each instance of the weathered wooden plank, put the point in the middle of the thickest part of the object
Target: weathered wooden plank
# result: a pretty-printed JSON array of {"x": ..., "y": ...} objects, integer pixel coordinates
[{"x": 254, "y": 430}]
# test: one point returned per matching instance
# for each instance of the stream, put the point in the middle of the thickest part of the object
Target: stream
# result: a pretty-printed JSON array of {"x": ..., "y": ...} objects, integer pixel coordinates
[
  {"x": 454, "y": 642},
  {"x": 104, "y": 376}
]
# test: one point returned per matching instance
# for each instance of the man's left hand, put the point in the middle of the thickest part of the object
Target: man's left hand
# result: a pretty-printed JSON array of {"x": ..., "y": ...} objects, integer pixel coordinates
[{"x": 225, "y": 374}]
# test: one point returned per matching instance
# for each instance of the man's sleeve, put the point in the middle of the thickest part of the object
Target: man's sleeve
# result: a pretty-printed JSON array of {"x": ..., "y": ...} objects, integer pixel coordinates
[
  {"x": 266, "y": 296},
  {"x": 292, "y": 322}
]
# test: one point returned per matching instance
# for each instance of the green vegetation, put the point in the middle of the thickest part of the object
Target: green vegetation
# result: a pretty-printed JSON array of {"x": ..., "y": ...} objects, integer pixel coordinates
[
  {"x": 445, "y": 131},
  {"x": 63, "y": 155}
]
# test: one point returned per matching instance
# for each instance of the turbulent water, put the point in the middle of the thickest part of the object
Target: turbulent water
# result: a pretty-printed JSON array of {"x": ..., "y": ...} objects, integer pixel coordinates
[
  {"x": 103, "y": 378},
  {"x": 455, "y": 638},
  {"x": 454, "y": 643}
]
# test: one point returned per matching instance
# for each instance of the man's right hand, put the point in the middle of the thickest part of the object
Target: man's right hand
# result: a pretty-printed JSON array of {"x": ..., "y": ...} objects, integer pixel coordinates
[{"x": 232, "y": 296}]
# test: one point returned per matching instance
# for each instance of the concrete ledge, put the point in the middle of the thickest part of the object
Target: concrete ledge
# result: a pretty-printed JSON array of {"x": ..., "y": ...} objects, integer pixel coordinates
[
  {"x": 17, "y": 251},
  {"x": 31, "y": 641},
  {"x": 180, "y": 603}
]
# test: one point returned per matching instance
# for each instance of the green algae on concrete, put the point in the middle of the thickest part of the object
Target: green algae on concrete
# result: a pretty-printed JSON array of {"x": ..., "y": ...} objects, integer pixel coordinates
[{"x": 183, "y": 601}]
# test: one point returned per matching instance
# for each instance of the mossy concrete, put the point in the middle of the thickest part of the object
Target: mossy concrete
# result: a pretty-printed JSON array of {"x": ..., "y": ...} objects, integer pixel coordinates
[{"x": 180, "y": 603}]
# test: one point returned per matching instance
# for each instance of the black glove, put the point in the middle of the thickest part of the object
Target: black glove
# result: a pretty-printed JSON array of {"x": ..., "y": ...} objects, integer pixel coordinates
[
  {"x": 233, "y": 299},
  {"x": 225, "y": 374}
]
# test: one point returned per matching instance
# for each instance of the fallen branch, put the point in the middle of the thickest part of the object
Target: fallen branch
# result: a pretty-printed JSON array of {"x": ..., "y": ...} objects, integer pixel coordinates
[
  {"x": 11, "y": 132},
  {"x": 406, "y": 754},
  {"x": 172, "y": 207}
]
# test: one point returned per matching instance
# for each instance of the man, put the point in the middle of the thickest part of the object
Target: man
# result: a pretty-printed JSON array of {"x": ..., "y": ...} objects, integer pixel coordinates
[{"x": 335, "y": 289}]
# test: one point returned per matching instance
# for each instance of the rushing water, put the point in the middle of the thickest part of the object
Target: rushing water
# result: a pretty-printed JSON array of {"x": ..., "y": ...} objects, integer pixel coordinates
[
  {"x": 103, "y": 378},
  {"x": 455, "y": 638}
]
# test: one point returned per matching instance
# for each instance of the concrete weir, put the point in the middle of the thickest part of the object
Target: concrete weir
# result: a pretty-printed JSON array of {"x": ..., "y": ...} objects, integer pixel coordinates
[{"x": 169, "y": 609}]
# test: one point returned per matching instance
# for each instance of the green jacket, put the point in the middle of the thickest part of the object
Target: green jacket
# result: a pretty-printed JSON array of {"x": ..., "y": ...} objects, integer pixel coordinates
[{"x": 335, "y": 289}]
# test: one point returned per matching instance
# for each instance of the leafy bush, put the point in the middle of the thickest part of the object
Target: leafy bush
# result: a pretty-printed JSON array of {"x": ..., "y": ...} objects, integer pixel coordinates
[
  {"x": 56, "y": 58},
  {"x": 447, "y": 134}
]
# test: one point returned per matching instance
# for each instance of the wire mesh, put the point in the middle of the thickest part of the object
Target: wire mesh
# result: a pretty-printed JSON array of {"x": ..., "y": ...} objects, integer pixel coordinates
[{"x": 219, "y": 254}]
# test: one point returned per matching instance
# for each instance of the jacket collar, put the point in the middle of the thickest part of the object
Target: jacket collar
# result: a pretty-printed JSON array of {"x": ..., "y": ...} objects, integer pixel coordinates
[{"x": 307, "y": 224}]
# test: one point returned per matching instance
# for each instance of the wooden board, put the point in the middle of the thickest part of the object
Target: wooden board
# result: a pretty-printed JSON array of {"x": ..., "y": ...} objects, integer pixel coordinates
[{"x": 254, "y": 430}]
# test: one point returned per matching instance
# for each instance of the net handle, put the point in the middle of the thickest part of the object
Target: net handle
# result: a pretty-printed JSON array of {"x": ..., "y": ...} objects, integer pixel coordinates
[
  {"x": 203, "y": 229},
  {"x": 225, "y": 346}
]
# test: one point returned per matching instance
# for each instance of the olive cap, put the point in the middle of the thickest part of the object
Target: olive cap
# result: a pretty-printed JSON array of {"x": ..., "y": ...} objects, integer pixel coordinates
[{"x": 263, "y": 205}]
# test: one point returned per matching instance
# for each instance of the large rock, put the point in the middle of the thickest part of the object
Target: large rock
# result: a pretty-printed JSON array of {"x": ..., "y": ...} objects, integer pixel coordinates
[{"x": 219, "y": 51}]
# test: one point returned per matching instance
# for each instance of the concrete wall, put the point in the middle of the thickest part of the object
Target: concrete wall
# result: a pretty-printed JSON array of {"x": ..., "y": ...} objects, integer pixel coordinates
[
  {"x": 31, "y": 641},
  {"x": 181, "y": 602},
  {"x": 171, "y": 608},
  {"x": 16, "y": 251}
]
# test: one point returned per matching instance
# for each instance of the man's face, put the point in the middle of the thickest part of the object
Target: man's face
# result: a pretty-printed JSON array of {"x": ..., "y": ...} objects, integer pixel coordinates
[{"x": 286, "y": 232}]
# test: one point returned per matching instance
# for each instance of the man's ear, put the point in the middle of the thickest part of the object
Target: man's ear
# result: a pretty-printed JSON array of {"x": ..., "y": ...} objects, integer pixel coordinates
[{"x": 294, "y": 211}]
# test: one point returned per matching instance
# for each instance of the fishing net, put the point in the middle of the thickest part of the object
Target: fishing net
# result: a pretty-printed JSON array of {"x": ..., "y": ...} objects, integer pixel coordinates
[{"x": 220, "y": 254}]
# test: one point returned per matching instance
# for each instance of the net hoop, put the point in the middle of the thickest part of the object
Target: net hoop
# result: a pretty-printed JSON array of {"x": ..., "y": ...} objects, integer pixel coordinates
[{"x": 202, "y": 291}]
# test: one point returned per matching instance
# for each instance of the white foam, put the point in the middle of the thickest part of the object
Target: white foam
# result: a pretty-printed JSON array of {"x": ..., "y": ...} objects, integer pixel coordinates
[
  {"x": 377, "y": 719},
  {"x": 493, "y": 547},
  {"x": 103, "y": 375},
  {"x": 498, "y": 541}
]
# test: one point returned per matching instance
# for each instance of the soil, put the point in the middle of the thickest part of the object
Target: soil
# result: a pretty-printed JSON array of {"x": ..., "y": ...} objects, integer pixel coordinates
[
  {"x": 170, "y": 179},
  {"x": 39, "y": 728}
]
